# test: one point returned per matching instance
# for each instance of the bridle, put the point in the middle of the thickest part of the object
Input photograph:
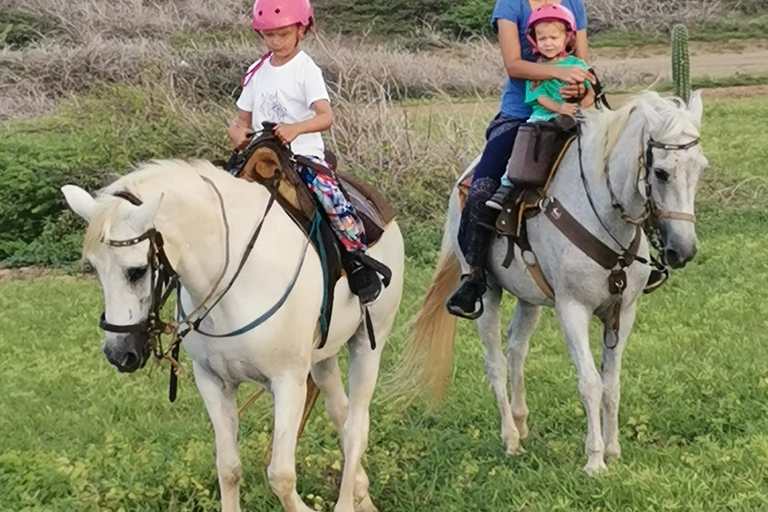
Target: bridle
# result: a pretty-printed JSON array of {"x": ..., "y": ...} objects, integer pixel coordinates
[{"x": 164, "y": 280}]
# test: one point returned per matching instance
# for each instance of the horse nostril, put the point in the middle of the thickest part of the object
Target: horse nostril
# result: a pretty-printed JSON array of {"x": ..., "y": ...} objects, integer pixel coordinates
[{"x": 130, "y": 360}]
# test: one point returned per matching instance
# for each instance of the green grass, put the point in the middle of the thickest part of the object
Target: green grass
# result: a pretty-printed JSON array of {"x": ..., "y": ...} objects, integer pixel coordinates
[
  {"x": 694, "y": 418},
  {"x": 693, "y": 421}
]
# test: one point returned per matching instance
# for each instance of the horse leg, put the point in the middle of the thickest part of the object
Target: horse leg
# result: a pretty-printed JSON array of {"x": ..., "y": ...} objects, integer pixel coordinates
[
  {"x": 519, "y": 333},
  {"x": 363, "y": 372},
  {"x": 612, "y": 384},
  {"x": 488, "y": 326},
  {"x": 327, "y": 376},
  {"x": 574, "y": 319},
  {"x": 220, "y": 401},
  {"x": 290, "y": 393}
]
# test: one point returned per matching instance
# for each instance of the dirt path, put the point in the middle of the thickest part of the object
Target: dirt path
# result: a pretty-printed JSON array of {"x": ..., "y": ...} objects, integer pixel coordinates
[{"x": 711, "y": 59}]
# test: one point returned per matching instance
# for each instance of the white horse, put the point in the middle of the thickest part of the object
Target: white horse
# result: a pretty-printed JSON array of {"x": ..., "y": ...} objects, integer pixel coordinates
[
  {"x": 280, "y": 353},
  {"x": 615, "y": 146}
]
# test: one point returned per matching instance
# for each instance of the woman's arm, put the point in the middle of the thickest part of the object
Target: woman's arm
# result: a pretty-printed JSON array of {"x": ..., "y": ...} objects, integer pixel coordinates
[
  {"x": 581, "y": 49},
  {"x": 509, "y": 40}
]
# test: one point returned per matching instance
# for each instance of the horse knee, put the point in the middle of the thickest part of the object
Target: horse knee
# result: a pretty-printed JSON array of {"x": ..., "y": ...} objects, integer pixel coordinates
[
  {"x": 591, "y": 387},
  {"x": 281, "y": 481},
  {"x": 230, "y": 474}
]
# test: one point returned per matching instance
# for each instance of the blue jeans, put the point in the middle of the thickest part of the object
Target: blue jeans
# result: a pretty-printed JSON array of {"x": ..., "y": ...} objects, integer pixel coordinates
[{"x": 474, "y": 239}]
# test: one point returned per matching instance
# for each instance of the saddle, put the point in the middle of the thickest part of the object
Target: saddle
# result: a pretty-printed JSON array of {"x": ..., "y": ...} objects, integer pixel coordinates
[
  {"x": 539, "y": 148},
  {"x": 269, "y": 162}
]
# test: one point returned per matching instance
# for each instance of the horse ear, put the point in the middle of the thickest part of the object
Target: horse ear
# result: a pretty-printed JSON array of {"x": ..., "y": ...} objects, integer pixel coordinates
[
  {"x": 654, "y": 120},
  {"x": 81, "y": 202},
  {"x": 696, "y": 106},
  {"x": 143, "y": 217}
]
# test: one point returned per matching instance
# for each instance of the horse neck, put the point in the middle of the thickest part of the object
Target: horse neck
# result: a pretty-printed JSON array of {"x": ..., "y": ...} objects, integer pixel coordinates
[
  {"x": 624, "y": 167},
  {"x": 193, "y": 227},
  {"x": 570, "y": 188}
]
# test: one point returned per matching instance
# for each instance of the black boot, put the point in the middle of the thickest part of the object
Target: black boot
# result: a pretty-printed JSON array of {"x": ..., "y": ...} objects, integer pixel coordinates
[
  {"x": 363, "y": 282},
  {"x": 466, "y": 301},
  {"x": 500, "y": 197}
]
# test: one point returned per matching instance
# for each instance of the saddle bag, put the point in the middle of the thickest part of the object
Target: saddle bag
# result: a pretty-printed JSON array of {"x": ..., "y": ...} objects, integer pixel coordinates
[{"x": 537, "y": 148}]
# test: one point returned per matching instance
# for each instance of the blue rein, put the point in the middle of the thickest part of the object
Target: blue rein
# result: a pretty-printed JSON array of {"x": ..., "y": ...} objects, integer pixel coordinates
[{"x": 276, "y": 307}]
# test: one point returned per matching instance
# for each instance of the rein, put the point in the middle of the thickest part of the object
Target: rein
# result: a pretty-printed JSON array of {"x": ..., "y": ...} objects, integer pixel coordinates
[
  {"x": 609, "y": 259},
  {"x": 164, "y": 280}
]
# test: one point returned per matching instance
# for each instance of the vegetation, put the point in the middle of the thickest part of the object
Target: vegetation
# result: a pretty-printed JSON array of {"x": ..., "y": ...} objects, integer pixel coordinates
[{"x": 79, "y": 436}]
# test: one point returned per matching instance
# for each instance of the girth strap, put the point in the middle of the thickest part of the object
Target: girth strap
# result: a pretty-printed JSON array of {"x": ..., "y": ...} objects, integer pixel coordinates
[
  {"x": 586, "y": 241},
  {"x": 606, "y": 257}
]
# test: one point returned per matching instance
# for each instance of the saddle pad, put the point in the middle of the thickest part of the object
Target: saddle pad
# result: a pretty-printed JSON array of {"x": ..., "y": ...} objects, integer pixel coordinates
[{"x": 374, "y": 210}]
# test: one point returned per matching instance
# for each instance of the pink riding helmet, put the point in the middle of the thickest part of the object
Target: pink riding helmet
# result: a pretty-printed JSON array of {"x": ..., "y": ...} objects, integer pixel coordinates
[
  {"x": 274, "y": 14},
  {"x": 551, "y": 12}
]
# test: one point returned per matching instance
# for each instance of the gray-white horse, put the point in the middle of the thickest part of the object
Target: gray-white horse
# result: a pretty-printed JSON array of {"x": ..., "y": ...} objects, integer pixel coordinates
[
  {"x": 615, "y": 147},
  {"x": 281, "y": 283}
]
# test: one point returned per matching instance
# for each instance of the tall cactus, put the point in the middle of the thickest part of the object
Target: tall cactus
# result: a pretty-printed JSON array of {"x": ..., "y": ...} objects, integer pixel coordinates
[{"x": 681, "y": 62}]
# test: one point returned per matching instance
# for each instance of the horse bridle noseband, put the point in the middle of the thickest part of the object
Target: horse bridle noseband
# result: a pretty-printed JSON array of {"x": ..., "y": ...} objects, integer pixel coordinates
[{"x": 651, "y": 211}]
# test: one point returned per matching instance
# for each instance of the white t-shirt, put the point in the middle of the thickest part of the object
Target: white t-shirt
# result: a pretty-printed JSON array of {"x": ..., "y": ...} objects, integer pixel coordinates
[{"x": 283, "y": 95}]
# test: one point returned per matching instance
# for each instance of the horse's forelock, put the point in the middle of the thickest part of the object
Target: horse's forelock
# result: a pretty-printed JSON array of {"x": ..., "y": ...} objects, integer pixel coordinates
[{"x": 676, "y": 120}]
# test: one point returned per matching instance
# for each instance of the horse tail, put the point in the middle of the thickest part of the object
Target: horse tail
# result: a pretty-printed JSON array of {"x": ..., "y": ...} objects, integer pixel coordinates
[{"x": 428, "y": 363}]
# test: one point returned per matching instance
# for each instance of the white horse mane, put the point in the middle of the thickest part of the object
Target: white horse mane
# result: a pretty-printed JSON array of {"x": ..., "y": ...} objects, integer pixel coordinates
[
  {"x": 170, "y": 176},
  {"x": 676, "y": 121}
]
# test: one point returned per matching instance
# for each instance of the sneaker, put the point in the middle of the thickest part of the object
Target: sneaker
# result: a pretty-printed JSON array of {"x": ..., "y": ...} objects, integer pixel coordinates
[
  {"x": 497, "y": 200},
  {"x": 365, "y": 283},
  {"x": 467, "y": 300}
]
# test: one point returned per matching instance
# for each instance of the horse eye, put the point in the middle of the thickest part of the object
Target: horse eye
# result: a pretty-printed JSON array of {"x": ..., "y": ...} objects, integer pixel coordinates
[
  {"x": 661, "y": 175},
  {"x": 87, "y": 268},
  {"x": 136, "y": 273}
]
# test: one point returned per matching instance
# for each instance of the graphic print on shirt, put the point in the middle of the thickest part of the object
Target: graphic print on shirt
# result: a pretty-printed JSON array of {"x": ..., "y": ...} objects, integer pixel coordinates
[{"x": 272, "y": 109}]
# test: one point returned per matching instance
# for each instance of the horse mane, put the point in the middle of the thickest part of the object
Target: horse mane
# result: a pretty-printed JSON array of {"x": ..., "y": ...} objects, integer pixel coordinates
[
  {"x": 173, "y": 175},
  {"x": 676, "y": 119}
]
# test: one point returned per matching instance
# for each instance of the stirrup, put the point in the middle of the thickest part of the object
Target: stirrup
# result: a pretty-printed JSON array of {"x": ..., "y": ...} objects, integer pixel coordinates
[
  {"x": 660, "y": 275},
  {"x": 454, "y": 309}
]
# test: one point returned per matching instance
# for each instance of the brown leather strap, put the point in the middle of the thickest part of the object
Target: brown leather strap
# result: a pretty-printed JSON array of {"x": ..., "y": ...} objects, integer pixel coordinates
[
  {"x": 665, "y": 214},
  {"x": 586, "y": 241},
  {"x": 538, "y": 277}
]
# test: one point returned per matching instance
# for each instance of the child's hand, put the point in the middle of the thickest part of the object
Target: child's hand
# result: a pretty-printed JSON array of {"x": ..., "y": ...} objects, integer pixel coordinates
[
  {"x": 287, "y": 132},
  {"x": 569, "y": 109},
  {"x": 238, "y": 136}
]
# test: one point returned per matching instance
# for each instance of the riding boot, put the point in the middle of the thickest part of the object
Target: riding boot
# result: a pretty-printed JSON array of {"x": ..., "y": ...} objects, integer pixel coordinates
[
  {"x": 466, "y": 301},
  {"x": 475, "y": 236},
  {"x": 363, "y": 279}
]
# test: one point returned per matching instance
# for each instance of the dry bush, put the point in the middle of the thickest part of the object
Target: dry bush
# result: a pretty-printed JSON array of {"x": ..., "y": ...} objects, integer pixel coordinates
[
  {"x": 357, "y": 70},
  {"x": 61, "y": 69},
  {"x": 81, "y": 20},
  {"x": 650, "y": 15}
]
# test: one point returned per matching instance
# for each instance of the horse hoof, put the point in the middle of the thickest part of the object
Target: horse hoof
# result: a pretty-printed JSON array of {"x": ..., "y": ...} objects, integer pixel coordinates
[
  {"x": 522, "y": 426},
  {"x": 365, "y": 505},
  {"x": 612, "y": 452},
  {"x": 595, "y": 467},
  {"x": 511, "y": 439}
]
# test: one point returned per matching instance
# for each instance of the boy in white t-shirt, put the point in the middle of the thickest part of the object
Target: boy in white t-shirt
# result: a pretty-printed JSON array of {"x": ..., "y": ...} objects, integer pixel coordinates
[{"x": 286, "y": 87}]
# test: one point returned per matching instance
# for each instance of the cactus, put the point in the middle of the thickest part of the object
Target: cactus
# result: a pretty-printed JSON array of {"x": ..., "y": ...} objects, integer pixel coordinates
[{"x": 681, "y": 62}]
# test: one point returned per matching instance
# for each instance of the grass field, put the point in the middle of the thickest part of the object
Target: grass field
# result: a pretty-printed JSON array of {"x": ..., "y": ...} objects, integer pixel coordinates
[{"x": 75, "y": 435}]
